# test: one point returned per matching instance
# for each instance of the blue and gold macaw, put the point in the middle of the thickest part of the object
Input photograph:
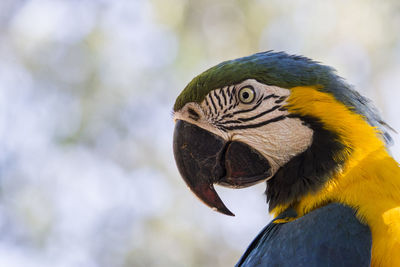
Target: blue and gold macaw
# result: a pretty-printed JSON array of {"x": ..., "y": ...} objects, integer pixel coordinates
[{"x": 321, "y": 147}]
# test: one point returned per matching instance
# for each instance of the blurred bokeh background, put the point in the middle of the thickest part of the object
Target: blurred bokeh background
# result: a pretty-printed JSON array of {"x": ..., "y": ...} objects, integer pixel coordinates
[{"x": 87, "y": 176}]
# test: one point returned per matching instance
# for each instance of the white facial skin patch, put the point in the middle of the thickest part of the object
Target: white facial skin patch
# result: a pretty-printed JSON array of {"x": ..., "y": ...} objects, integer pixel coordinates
[{"x": 263, "y": 123}]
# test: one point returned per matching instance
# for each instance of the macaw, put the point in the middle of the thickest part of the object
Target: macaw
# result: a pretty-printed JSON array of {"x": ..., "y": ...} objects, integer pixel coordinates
[{"x": 322, "y": 148}]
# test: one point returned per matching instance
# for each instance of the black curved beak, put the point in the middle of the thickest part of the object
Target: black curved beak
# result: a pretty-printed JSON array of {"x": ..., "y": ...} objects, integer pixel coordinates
[{"x": 205, "y": 159}]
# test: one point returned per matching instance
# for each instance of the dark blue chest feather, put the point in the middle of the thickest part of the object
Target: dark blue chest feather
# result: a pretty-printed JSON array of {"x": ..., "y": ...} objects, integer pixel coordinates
[{"x": 329, "y": 236}]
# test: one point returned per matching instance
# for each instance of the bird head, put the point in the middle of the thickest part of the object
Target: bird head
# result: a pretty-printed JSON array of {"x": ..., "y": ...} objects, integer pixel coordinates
[{"x": 271, "y": 117}]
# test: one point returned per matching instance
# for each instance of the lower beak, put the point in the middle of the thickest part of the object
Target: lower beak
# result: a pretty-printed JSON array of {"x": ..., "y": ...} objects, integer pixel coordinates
[{"x": 205, "y": 159}]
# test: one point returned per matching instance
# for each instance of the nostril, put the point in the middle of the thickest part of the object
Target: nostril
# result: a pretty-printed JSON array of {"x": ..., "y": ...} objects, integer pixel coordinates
[{"x": 193, "y": 114}]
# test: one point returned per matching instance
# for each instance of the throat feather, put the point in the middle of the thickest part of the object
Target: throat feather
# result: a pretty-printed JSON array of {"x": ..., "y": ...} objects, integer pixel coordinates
[
  {"x": 309, "y": 170},
  {"x": 368, "y": 179}
]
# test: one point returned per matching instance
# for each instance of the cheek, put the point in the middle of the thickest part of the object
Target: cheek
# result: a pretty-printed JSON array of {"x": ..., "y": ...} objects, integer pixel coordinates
[{"x": 278, "y": 142}]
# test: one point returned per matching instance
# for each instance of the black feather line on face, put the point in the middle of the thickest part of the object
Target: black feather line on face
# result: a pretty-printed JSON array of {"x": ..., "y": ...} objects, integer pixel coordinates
[
  {"x": 222, "y": 91},
  {"x": 218, "y": 99},
  {"x": 308, "y": 171},
  {"x": 213, "y": 105}
]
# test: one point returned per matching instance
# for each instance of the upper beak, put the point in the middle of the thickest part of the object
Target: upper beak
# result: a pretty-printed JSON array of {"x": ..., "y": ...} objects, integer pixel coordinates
[{"x": 205, "y": 159}]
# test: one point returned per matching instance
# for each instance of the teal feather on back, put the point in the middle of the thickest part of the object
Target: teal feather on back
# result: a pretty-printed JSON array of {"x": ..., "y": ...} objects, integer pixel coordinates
[{"x": 329, "y": 236}]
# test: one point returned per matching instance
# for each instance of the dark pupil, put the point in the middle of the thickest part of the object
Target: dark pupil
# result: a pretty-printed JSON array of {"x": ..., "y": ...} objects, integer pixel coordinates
[{"x": 245, "y": 95}]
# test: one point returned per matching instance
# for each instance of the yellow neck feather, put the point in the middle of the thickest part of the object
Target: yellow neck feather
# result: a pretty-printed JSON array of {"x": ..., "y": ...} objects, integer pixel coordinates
[{"x": 369, "y": 181}]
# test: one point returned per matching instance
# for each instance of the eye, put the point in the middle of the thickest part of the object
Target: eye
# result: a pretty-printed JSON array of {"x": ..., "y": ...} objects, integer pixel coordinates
[{"x": 246, "y": 94}]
